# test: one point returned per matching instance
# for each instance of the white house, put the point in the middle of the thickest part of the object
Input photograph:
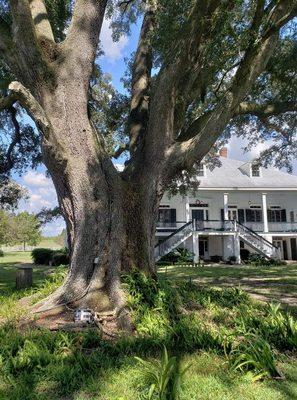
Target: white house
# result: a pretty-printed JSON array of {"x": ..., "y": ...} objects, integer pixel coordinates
[{"x": 237, "y": 205}]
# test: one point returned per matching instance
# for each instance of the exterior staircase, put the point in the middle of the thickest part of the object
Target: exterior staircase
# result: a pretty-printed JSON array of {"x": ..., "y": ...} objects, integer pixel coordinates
[
  {"x": 256, "y": 242},
  {"x": 251, "y": 238},
  {"x": 174, "y": 240}
]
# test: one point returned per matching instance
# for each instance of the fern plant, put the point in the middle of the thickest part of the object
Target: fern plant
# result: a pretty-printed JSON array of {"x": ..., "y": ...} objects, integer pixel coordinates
[
  {"x": 254, "y": 355},
  {"x": 163, "y": 377}
]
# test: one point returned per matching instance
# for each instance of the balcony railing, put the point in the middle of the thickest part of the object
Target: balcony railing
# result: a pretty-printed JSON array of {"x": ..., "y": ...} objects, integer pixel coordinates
[
  {"x": 212, "y": 225},
  {"x": 272, "y": 226},
  {"x": 169, "y": 226},
  {"x": 217, "y": 225}
]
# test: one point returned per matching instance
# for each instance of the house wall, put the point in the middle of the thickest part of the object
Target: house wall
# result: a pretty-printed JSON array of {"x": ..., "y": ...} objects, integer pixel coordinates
[
  {"x": 224, "y": 245},
  {"x": 243, "y": 199}
]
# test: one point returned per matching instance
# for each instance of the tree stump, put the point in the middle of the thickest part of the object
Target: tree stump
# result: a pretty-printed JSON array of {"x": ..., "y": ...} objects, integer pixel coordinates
[{"x": 24, "y": 277}]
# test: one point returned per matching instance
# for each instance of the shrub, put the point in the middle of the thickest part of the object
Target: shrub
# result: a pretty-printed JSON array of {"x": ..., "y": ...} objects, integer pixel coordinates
[
  {"x": 60, "y": 257},
  {"x": 232, "y": 259},
  {"x": 1, "y": 253},
  {"x": 42, "y": 256},
  {"x": 49, "y": 256},
  {"x": 244, "y": 254},
  {"x": 216, "y": 259},
  {"x": 178, "y": 255},
  {"x": 259, "y": 260}
]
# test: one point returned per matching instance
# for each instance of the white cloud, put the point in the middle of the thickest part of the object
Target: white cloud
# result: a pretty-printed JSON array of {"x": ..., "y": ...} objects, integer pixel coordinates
[
  {"x": 235, "y": 150},
  {"x": 36, "y": 179},
  {"x": 112, "y": 50}
]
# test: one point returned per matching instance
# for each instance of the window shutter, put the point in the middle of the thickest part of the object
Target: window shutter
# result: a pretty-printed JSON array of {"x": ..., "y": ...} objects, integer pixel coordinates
[
  {"x": 222, "y": 214},
  {"x": 241, "y": 215},
  {"x": 248, "y": 215},
  {"x": 172, "y": 215},
  {"x": 283, "y": 216}
]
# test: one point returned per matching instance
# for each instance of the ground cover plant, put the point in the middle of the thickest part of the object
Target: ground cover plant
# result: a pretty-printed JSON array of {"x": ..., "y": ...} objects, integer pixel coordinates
[
  {"x": 266, "y": 283},
  {"x": 206, "y": 333}
]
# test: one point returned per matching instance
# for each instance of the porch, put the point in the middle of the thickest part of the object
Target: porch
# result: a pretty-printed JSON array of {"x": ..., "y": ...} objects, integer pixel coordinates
[
  {"x": 220, "y": 225},
  {"x": 225, "y": 239}
]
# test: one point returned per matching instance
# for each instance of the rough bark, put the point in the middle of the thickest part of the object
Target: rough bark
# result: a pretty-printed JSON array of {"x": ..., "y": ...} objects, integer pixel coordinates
[{"x": 110, "y": 222}]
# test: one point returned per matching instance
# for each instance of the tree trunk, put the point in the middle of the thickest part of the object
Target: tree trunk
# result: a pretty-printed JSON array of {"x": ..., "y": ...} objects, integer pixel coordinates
[{"x": 110, "y": 222}]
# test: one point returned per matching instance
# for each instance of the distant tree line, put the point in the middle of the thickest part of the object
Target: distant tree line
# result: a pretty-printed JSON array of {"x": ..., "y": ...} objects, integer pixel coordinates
[{"x": 22, "y": 228}]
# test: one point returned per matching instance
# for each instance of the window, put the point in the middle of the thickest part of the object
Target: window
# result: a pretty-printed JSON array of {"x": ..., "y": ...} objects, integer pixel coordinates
[
  {"x": 292, "y": 216},
  {"x": 167, "y": 217},
  {"x": 276, "y": 215},
  {"x": 200, "y": 170},
  {"x": 253, "y": 215},
  {"x": 255, "y": 169}
]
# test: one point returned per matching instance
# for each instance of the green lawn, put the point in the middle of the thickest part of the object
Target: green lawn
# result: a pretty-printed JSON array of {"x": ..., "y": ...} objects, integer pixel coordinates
[
  {"x": 41, "y": 365},
  {"x": 50, "y": 242},
  {"x": 273, "y": 283},
  {"x": 8, "y": 268}
]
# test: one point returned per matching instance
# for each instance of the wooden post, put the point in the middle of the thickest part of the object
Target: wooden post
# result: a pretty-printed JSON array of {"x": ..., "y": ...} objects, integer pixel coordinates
[{"x": 24, "y": 277}]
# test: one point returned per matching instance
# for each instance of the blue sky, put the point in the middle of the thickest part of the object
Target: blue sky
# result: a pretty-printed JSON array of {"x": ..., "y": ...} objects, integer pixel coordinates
[{"x": 41, "y": 190}]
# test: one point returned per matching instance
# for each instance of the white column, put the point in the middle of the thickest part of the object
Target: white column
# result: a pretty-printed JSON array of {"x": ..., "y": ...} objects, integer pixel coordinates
[
  {"x": 289, "y": 249},
  {"x": 264, "y": 208},
  {"x": 226, "y": 217},
  {"x": 188, "y": 217},
  {"x": 228, "y": 247},
  {"x": 237, "y": 248},
  {"x": 195, "y": 237}
]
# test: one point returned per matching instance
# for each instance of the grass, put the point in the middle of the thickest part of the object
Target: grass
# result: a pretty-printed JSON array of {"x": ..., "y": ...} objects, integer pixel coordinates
[
  {"x": 8, "y": 268},
  {"x": 50, "y": 242},
  {"x": 273, "y": 283},
  {"x": 203, "y": 327}
]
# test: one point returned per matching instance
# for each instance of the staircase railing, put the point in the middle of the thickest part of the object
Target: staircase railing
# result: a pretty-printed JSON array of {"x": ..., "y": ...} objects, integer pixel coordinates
[
  {"x": 258, "y": 242},
  {"x": 173, "y": 240}
]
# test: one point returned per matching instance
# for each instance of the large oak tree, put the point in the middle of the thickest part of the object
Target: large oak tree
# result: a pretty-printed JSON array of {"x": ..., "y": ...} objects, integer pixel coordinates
[{"x": 200, "y": 69}]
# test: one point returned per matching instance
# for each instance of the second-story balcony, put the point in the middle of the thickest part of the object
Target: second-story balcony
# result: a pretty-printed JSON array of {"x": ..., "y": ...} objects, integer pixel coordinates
[
  {"x": 272, "y": 226},
  {"x": 218, "y": 225}
]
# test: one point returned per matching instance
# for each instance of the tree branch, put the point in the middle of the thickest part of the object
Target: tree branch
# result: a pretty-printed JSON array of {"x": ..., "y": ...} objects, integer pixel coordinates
[
  {"x": 259, "y": 110},
  {"x": 6, "y": 44},
  {"x": 265, "y": 110},
  {"x": 80, "y": 45},
  {"x": 120, "y": 151},
  {"x": 31, "y": 63},
  {"x": 279, "y": 15},
  {"x": 184, "y": 155},
  {"x": 24, "y": 97},
  {"x": 273, "y": 127},
  {"x": 8, "y": 165},
  {"x": 41, "y": 20},
  {"x": 141, "y": 75}
]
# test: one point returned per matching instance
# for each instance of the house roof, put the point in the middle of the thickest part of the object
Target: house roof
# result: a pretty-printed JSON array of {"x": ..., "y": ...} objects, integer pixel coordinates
[{"x": 231, "y": 175}]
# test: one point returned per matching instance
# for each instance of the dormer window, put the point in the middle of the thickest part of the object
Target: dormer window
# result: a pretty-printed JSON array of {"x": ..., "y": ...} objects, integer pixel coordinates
[
  {"x": 255, "y": 170},
  {"x": 201, "y": 170}
]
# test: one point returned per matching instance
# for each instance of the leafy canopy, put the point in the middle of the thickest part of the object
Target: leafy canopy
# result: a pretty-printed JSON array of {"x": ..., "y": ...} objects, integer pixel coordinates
[{"x": 233, "y": 30}]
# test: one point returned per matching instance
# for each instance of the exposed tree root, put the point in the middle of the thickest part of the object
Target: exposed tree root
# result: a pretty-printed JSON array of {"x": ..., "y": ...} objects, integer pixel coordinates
[{"x": 58, "y": 304}]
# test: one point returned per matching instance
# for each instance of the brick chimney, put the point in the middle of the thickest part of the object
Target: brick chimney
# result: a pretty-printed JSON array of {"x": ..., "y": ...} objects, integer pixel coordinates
[{"x": 224, "y": 152}]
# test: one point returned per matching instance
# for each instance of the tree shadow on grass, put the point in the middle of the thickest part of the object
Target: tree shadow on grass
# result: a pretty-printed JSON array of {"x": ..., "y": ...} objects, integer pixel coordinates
[{"x": 90, "y": 372}]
